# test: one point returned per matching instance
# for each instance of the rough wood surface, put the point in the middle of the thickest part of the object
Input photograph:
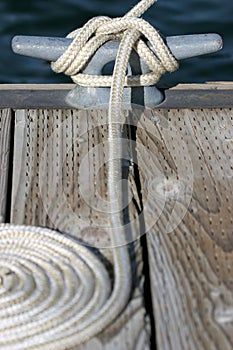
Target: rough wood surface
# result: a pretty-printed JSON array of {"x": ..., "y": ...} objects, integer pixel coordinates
[
  {"x": 5, "y": 128},
  {"x": 185, "y": 159},
  {"x": 59, "y": 181},
  {"x": 186, "y": 156}
]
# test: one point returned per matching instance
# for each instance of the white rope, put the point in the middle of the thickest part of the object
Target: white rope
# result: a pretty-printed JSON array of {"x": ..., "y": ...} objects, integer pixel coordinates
[
  {"x": 87, "y": 40},
  {"x": 55, "y": 293},
  {"x": 51, "y": 289}
]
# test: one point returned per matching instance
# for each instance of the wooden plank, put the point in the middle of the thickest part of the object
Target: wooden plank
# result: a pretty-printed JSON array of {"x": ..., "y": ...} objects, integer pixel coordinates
[
  {"x": 215, "y": 95},
  {"x": 5, "y": 128},
  {"x": 59, "y": 181},
  {"x": 186, "y": 160}
]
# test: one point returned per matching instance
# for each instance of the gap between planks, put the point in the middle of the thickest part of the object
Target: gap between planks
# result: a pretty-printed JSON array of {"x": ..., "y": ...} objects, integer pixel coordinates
[{"x": 5, "y": 140}]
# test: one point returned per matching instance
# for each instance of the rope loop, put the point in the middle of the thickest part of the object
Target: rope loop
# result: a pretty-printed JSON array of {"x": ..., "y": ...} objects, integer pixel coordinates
[{"x": 99, "y": 30}]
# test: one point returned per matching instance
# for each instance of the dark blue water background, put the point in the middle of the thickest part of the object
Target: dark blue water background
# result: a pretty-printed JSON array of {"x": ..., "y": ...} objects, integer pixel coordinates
[{"x": 58, "y": 17}]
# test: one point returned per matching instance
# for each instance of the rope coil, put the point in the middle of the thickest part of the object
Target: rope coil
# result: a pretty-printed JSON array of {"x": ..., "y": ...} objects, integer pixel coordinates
[{"x": 51, "y": 289}]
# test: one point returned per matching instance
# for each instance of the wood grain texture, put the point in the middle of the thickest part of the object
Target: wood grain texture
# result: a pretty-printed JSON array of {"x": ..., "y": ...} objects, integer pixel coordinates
[
  {"x": 5, "y": 128},
  {"x": 60, "y": 181},
  {"x": 186, "y": 160}
]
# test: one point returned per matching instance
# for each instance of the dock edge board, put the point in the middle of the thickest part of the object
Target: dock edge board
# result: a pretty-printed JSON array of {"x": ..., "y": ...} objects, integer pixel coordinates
[{"x": 210, "y": 95}]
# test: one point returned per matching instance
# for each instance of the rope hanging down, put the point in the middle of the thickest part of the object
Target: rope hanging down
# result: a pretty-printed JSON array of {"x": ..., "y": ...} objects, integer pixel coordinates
[
  {"x": 27, "y": 252},
  {"x": 130, "y": 30}
]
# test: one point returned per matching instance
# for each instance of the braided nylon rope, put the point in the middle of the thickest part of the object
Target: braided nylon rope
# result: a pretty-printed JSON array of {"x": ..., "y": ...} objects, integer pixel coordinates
[
  {"x": 51, "y": 289},
  {"x": 54, "y": 292},
  {"x": 97, "y": 31}
]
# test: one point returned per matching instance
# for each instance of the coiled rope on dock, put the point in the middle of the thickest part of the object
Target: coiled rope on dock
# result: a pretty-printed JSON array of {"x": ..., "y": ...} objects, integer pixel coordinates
[
  {"x": 51, "y": 288},
  {"x": 56, "y": 292}
]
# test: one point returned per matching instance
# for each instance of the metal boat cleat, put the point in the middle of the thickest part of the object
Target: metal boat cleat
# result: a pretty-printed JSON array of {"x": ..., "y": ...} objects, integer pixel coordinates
[{"x": 50, "y": 49}]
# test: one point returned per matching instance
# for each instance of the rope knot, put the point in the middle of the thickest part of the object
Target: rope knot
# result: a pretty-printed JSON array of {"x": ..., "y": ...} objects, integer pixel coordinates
[{"x": 99, "y": 30}]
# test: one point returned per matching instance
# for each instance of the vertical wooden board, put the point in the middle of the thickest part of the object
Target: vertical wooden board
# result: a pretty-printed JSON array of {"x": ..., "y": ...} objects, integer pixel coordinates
[
  {"x": 187, "y": 163},
  {"x": 5, "y": 129},
  {"x": 60, "y": 181}
]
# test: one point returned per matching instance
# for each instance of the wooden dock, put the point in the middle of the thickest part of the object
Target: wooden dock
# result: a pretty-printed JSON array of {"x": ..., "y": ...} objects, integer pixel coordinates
[{"x": 182, "y": 198}]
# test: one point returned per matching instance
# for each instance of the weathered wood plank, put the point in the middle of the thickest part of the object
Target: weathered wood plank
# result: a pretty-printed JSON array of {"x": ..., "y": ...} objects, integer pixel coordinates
[
  {"x": 60, "y": 181},
  {"x": 186, "y": 160},
  {"x": 19, "y": 96},
  {"x": 5, "y": 128}
]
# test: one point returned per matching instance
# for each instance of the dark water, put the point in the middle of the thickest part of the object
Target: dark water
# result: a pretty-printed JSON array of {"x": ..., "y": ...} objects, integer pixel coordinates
[{"x": 58, "y": 17}]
